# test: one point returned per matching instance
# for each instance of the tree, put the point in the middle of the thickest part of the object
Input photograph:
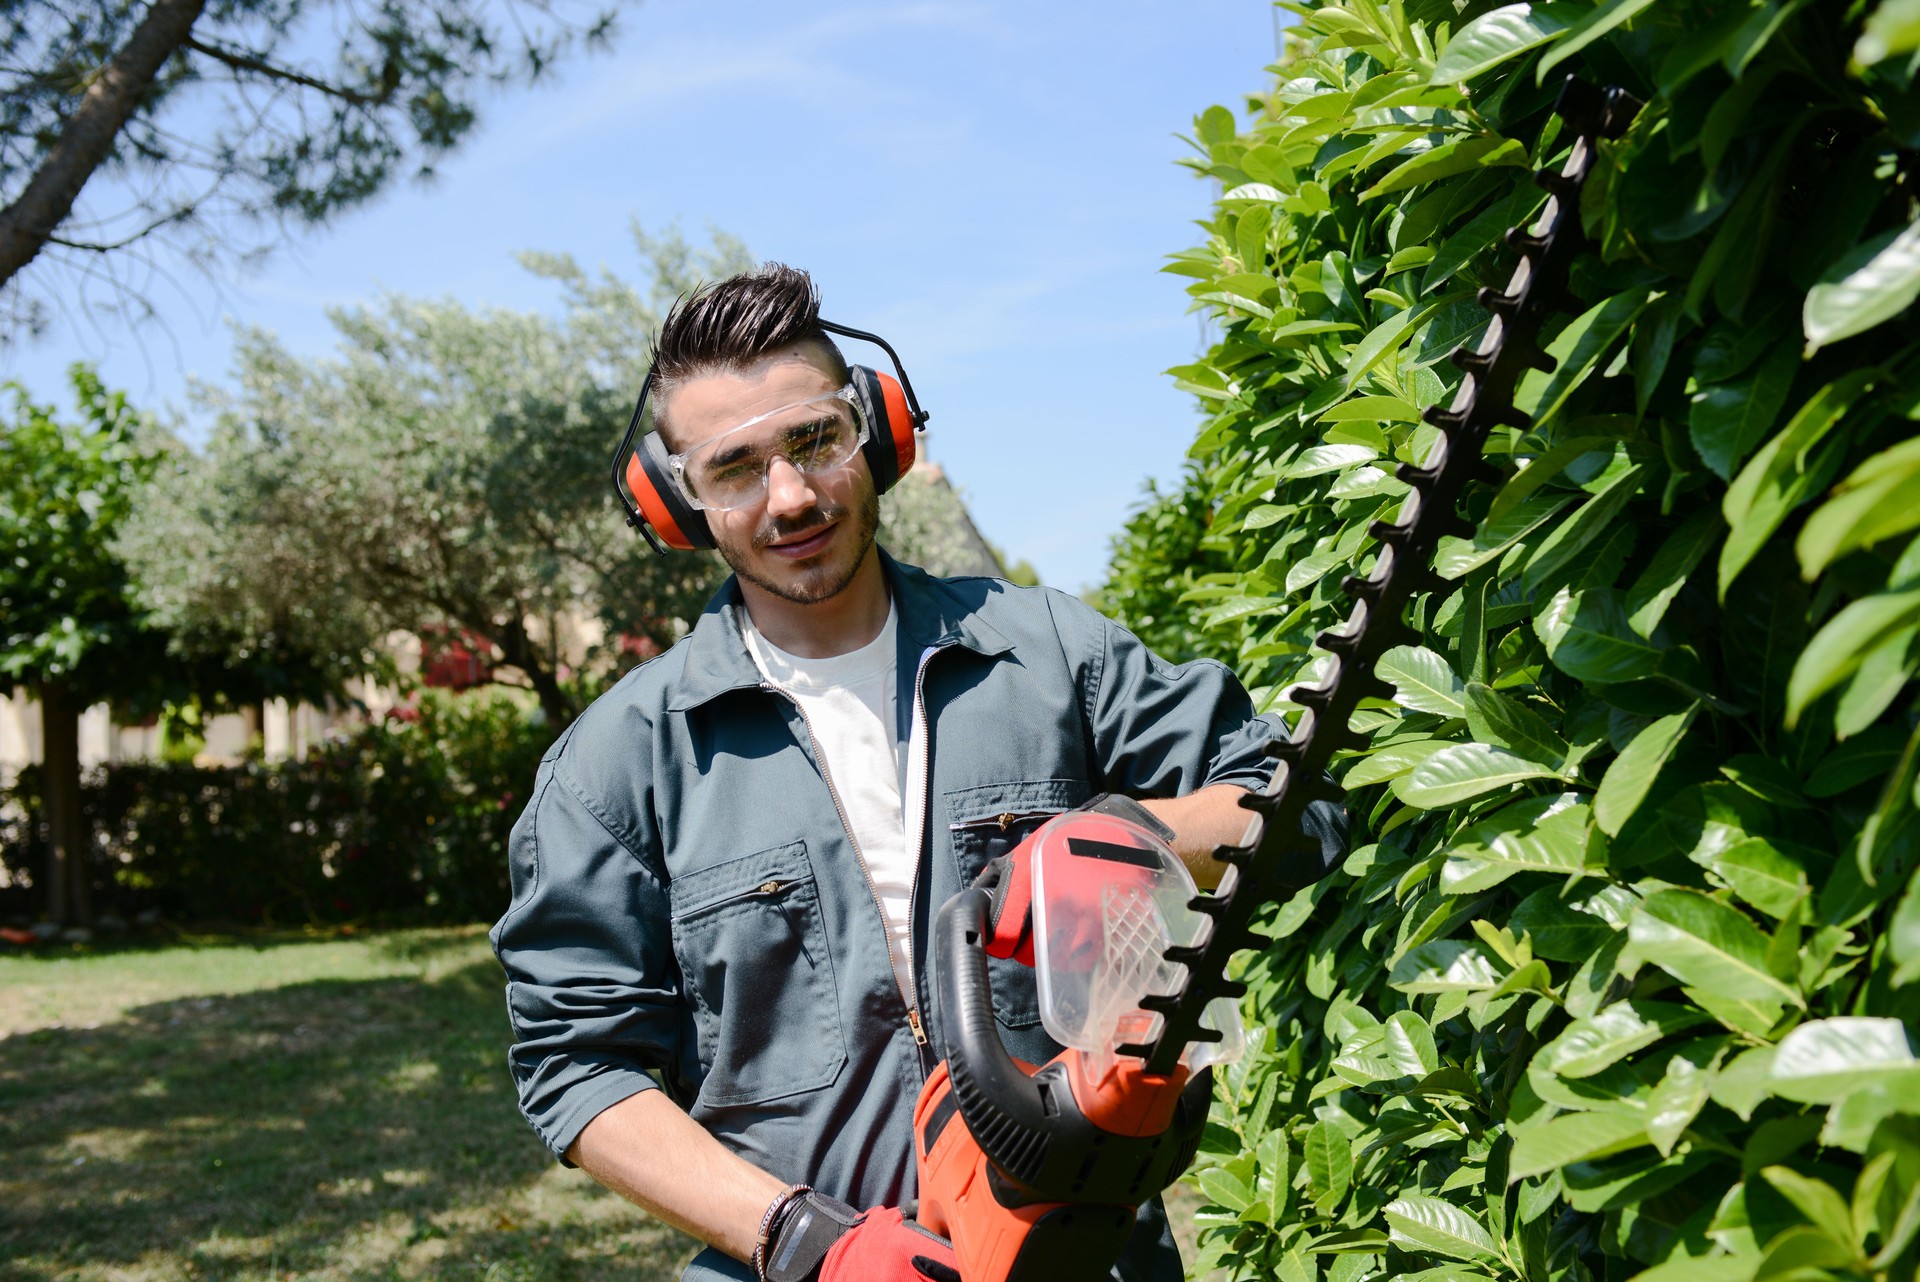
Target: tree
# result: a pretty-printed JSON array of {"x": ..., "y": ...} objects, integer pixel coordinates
[
  {"x": 207, "y": 118},
  {"x": 1620, "y": 978},
  {"x": 447, "y": 469}
]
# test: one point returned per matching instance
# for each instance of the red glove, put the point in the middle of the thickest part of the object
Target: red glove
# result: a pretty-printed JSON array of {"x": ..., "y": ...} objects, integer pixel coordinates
[
  {"x": 1009, "y": 879},
  {"x": 816, "y": 1238}
]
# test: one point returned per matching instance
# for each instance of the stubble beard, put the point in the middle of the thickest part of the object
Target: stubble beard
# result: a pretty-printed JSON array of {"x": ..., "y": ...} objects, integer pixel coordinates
[{"x": 814, "y": 583}]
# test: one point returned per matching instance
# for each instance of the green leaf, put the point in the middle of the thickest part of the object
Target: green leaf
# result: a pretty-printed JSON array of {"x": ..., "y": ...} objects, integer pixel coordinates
[
  {"x": 1879, "y": 499},
  {"x": 1675, "y": 1101},
  {"x": 1743, "y": 1083},
  {"x": 1418, "y": 1223},
  {"x": 1507, "y": 722},
  {"x": 1422, "y": 680},
  {"x": 1381, "y": 341},
  {"x": 1391, "y": 762},
  {"x": 1589, "y": 1045},
  {"x": 1588, "y": 637},
  {"x": 1632, "y": 773},
  {"x": 1598, "y": 23},
  {"x": 1758, "y": 872},
  {"x": 1320, "y": 459},
  {"x": 1444, "y": 966},
  {"x": 1543, "y": 468},
  {"x": 1704, "y": 943},
  {"x": 1570, "y": 931},
  {"x": 1507, "y": 32},
  {"x": 1577, "y": 349},
  {"x": 1871, "y": 285},
  {"x": 1540, "y": 834},
  {"x": 1903, "y": 935},
  {"x": 1893, "y": 27},
  {"x": 1726, "y": 420},
  {"x": 1838, "y": 648},
  {"x": 1373, "y": 409},
  {"x": 1818, "y": 1200},
  {"x": 1778, "y": 479},
  {"x": 1574, "y": 1137},
  {"x": 1672, "y": 565},
  {"x": 1456, "y": 557},
  {"x": 1224, "y": 1190},
  {"x": 1329, "y": 1158},
  {"x": 1572, "y": 536},
  {"x": 1408, "y": 1042},
  {"x": 1823, "y": 1059},
  {"x": 1448, "y": 159},
  {"x": 1464, "y": 770}
]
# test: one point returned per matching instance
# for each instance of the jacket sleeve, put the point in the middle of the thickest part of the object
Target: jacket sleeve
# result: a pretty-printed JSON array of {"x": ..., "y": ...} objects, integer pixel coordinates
[
  {"x": 1164, "y": 730},
  {"x": 592, "y": 985}
]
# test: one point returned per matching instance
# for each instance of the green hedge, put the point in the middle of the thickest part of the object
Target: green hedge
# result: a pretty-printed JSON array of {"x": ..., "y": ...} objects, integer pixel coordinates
[
  {"x": 405, "y": 820},
  {"x": 1618, "y": 981}
]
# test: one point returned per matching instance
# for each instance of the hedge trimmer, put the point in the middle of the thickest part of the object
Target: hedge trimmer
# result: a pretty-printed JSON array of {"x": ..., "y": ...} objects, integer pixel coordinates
[{"x": 1042, "y": 1178}]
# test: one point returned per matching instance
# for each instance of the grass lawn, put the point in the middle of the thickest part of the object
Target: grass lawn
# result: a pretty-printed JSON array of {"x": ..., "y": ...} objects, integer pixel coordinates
[
  {"x": 293, "y": 1108},
  {"x": 327, "y": 1109}
]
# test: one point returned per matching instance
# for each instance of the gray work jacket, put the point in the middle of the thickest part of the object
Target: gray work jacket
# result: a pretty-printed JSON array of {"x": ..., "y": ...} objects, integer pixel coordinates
[{"x": 690, "y": 914}]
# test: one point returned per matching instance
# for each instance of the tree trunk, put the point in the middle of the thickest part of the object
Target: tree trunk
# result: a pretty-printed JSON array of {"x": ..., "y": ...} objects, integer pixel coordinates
[
  {"x": 518, "y": 650},
  {"x": 68, "y": 896},
  {"x": 87, "y": 139}
]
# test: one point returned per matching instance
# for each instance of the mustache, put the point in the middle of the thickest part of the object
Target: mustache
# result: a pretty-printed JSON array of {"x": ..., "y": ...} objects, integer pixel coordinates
[{"x": 811, "y": 519}]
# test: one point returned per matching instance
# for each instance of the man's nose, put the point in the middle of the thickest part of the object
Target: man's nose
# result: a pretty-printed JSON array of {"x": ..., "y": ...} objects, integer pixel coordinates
[{"x": 788, "y": 490}]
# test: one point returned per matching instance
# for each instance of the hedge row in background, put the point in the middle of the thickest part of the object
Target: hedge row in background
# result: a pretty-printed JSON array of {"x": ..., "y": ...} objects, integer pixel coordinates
[
  {"x": 406, "y": 820},
  {"x": 1619, "y": 981}
]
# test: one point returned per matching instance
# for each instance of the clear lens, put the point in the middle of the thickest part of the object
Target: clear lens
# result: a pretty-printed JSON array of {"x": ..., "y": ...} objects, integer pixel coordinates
[{"x": 730, "y": 471}]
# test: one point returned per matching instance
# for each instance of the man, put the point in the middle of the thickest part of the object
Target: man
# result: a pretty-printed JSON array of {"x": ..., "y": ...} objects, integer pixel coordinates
[{"x": 717, "y": 947}]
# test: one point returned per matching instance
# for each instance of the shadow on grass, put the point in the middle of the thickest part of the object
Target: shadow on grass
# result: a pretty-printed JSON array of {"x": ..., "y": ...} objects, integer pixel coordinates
[{"x": 330, "y": 1129}]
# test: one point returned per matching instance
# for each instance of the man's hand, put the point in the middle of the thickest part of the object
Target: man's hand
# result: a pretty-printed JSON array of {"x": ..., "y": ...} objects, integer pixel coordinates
[{"x": 815, "y": 1238}]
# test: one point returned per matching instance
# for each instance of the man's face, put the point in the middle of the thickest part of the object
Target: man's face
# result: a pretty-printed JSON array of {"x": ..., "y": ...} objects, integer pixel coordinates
[{"x": 809, "y": 537}]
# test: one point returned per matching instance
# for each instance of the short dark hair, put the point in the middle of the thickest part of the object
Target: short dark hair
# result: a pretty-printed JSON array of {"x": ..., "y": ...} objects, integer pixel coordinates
[{"x": 733, "y": 323}]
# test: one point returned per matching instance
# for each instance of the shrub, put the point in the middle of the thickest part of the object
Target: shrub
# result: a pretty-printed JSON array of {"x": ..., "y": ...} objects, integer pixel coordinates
[
  {"x": 1619, "y": 981},
  {"x": 406, "y": 819}
]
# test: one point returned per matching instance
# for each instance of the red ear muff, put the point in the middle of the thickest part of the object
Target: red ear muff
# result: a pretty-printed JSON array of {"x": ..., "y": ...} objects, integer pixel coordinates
[
  {"x": 650, "y": 478},
  {"x": 890, "y": 448}
]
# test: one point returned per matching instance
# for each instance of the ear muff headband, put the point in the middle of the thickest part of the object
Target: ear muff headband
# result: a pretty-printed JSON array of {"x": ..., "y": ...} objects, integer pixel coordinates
[{"x": 643, "y": 482}]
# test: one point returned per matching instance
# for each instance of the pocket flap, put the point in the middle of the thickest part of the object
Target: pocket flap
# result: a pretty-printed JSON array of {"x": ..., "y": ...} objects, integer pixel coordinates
[{"x": 695, "y": 892}]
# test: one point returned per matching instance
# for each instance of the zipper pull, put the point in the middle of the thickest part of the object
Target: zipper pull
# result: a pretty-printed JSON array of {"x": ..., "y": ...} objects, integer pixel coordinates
[
  {"x": 1005, "y": 820},
  {"x": 767, "y": 888},
  {"x": 913, "y": 1022}
]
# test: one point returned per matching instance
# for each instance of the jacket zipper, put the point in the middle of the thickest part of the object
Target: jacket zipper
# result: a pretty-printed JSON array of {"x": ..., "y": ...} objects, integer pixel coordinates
[
  {"x": 1003, "y": 821},
  {"x": 920, "y": 836},
  {"x": 765, "y": 890},
  {"x": 906, "y": 994}
]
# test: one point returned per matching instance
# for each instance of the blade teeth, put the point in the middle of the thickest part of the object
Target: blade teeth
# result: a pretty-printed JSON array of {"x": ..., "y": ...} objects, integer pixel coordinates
[
  {"x": 1418, "y": 477},
  {"x": 1522, "y": 241},
  {"x": 1388, "y": 532},
  {"x": 1471, "y": 361},
  {"x": 1134, "y": 1050},
  {"x": 1562, "y": 186},
  {"x": 1233, "y": 988},
  {"x": 1497, "y": 302},
  {"x": 1362, "y": 589},
  {"x": 1161, "y": 1003},
  {"x": 1184, "y": 954},
  {"x": 1208, "y": 905},
  {"x": 1336, "y": 641},
  {"x": 1287, "y": 750},
  {"x": 1315, "y": 697},
  {"x": 1447, "y": 420}
]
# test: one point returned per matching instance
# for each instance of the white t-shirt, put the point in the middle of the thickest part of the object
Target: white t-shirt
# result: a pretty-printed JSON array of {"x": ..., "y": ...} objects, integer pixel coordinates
[{"x": 851, "y": 703}]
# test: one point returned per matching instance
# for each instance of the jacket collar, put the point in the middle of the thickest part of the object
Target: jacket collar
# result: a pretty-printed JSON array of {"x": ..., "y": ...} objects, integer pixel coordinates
[{"x": 932, "y": 615}]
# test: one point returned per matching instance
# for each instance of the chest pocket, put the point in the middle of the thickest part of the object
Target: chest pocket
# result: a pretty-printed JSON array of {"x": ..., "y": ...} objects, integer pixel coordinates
[
  {"x": 753, "y": 953},
  {"x": 988, "y": 822}
]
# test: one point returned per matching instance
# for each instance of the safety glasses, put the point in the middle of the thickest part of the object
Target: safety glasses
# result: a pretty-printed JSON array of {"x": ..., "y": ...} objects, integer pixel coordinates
[{"x": 814, "y": 436}]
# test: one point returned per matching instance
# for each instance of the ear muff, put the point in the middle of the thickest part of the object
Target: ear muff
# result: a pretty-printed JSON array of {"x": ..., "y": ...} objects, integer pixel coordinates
[
  {"x": 890, "y": 448},
  {"x": 650, "y": 478}
]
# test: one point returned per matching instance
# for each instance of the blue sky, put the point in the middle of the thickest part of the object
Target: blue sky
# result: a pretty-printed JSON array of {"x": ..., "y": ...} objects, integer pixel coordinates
[{"x": 989, "y": 184}]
